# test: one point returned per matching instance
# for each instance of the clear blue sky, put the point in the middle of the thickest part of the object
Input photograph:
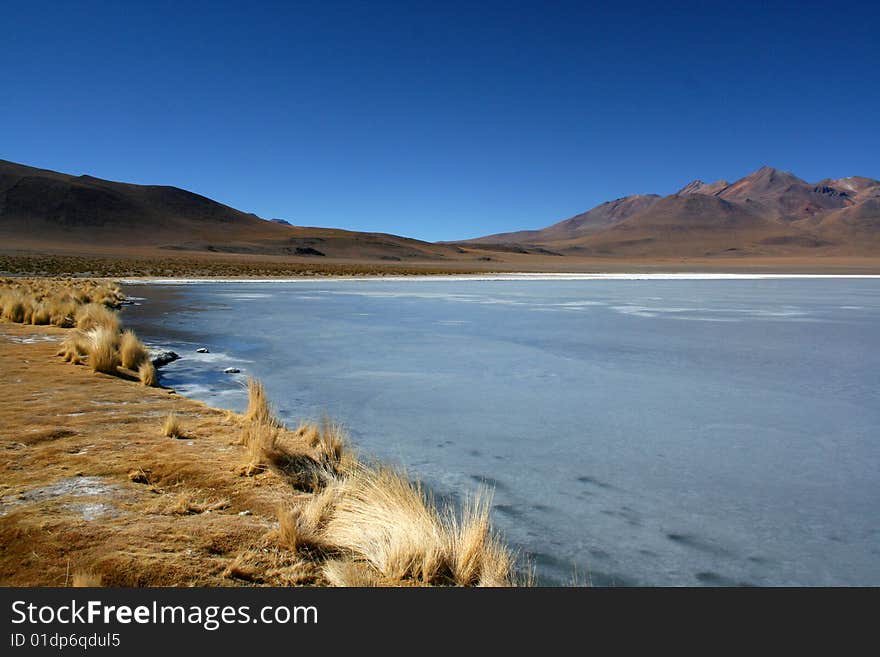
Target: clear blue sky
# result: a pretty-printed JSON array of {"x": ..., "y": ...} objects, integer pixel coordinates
[{"x": 438, "y": 120}]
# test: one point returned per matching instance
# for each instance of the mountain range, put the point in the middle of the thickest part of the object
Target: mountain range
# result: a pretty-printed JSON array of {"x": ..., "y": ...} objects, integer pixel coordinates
[
  {"x": 42, "y": 210},
  {"x": 769, "y": 213}
]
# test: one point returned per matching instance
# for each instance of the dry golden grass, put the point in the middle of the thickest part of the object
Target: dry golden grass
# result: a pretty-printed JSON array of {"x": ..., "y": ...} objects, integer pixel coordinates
[
  {"x": 75, "y": 347},
  {"x": 171, "y": 427},
  {"x": 62, "y": 311},
  {"x": 347, "y": 573},
  {"x": 103, "y": 355},
  {"x": 86, "y": 304},
  {"x": 132, "y": 351},
  {"x": 147, "y": 374},
  {"x": 389, "y": 529},
  {"x": 471, "y": 535},
  {"x": 385, "y": 520},
  {"x": 259, "y": 410},
  {"x": 93, "y": 315},
  {"x": 61, "y": 422},
  {"x": 85, "y": 579},
  {"x": 13, "y": 306},
  {"x": 332, "y": 441},
  {"x": 41, "y": 314},
  {"x": 298, "y": 530},
  {"x": 187, "y": 503},
  {"x": 309, "y": 432},
  {"x": 330, "y": 445}
]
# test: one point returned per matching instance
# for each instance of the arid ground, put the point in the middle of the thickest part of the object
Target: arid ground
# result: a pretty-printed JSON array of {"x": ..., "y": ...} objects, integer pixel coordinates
[
  {"x": 148, "y": 263},
  {"x": 91, "y": 483}
]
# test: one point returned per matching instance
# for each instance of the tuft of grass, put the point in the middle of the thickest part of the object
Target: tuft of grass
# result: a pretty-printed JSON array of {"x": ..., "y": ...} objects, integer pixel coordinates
[
  {"x": 85, "y": 579},
  {"x": 309, "y": 433},
  {"x": 187, "y": 504},
  {"x": 319, "y": 507},
  {"x": 132, "y": 352},
  {"x": 14, "y": 307},
  {"x": 332, "y": 441},
  {"x": 75, "y": 348},
  {"x": 297, "y": 530},
  {"x": 382, "y": 519},
  {"x": 330, "y": 444},
  {"x": 94, "y": 316},
  {"x": 386, "y": 521},
  {"x": 269, "y": 446},
  {"x": 62, "y": 312},
  {"x": 171, "y": 427},
  {"x": 259, "y": 441},
  {"x": 41, "y": 314},
  {"x": 470, "y": 536},
  {"x": 263, "y": 446},
  {"x": 147, "y": 374},
  {"x": 238, "y": 569},
  {"x": 348, "y": 573},
  {"x": 258, "y": 409},
  {"x": 103, "y": 356}
]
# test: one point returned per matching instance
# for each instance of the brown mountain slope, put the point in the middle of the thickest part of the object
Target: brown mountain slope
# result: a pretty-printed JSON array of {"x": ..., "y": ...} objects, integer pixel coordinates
[
  {"x": 692, "y": 224},
  {"x": 781, "y": 195},
  {"x": 602, "y": 216},
  {"x": 768, "y": 212},
  {"x": 699, "y": 187},
  {"x": 41, "y": 209}
]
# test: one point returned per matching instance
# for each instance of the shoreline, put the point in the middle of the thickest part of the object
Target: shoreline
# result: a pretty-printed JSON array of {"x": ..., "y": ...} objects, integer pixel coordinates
[
  {"x": 513, "y": 276},
  {"x": 141, "y": 486},
  {"x": 158, "y": 264}
]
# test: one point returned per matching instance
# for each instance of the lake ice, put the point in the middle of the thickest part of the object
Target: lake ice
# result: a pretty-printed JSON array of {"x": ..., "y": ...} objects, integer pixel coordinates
[{"x": 653, "y": 432}]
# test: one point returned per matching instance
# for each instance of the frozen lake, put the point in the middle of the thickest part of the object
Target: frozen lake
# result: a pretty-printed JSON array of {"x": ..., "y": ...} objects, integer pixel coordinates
[{"x": 651, "y": 432}]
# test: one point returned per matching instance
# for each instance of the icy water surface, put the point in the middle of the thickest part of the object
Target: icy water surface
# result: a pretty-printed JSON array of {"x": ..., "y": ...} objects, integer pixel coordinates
[{"x": 654, "y": 432}]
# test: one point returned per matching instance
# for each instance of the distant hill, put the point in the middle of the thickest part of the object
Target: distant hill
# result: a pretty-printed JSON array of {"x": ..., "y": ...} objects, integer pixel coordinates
[
  {"x": 47, "y": 210},
  {"x": 768, "y": 212}
]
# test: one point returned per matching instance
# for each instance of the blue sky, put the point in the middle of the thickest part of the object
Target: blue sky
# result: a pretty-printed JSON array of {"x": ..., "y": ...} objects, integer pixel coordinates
[{"x": 438, "y": 120}]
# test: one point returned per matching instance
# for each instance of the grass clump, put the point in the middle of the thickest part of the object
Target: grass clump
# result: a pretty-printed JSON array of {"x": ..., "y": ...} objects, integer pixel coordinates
[
  {"x": 85, "y": 579},
  {"x": 41, "y": 314},
  {"x": 147, "y": 374},
  {"x": 132, "y": 352},
  {"x": 259, "y": 410},
  {"x": 14, "y": 307},
  {"x": 349, "y": 573},
  {"x": 88, "y": 306},
  {"x": 382, "y": 519},
  {"x": 103, "y": 354},
  {"x": 75, "y": 348},
  {"x": 371, "y": 525},
  {"x": 298, "y": 530},
  {"x": 477, "y": 556},
  {"x": 171, "y": 427},
  {"x": 94, "y": 315}
]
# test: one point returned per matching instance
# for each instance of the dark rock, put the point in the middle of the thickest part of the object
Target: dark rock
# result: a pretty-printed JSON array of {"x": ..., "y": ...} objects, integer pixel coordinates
[
  {"x": 161, "y": 357},
  {"x": 307, "y": 250}
]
